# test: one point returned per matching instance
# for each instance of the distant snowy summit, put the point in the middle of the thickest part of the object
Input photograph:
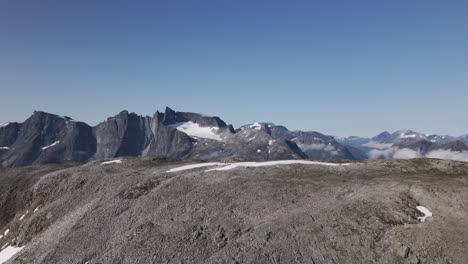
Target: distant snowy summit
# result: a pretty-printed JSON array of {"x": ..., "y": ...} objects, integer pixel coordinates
[{"x": 48, "y": 138}]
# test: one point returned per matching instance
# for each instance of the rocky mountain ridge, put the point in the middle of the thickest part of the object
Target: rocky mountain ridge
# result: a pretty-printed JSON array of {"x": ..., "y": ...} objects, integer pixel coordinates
[{"x": 47, "y": 138}]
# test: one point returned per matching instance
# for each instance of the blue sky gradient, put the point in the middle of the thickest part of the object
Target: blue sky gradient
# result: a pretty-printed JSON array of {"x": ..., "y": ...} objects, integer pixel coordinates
[{"x": 337, "y": 67}]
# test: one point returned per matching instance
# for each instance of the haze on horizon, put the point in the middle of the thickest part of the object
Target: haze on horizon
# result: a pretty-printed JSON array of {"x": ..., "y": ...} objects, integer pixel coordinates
[{"x": 342, "y": 68}]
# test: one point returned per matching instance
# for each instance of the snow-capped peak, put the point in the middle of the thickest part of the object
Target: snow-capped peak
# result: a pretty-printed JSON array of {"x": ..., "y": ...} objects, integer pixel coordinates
[
  {"x": 408, "y": 134},
  {"x": 256, "y": 126}
]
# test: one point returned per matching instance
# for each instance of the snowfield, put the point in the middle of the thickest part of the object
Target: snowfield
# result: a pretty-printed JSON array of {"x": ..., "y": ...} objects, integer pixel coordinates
[
  {"x": 273, "y": 163},
  {"x": 194, "y": 166},
  {"x": 194, "y": 130},
  {"x": 111, "y": 162},
  {"x": 252, "y": 164},
  {"x": 8, "y": 252}
]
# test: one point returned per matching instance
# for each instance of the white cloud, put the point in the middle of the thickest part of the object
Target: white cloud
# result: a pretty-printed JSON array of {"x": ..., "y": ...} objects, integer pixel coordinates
[
  {"x": 393, "y": 153},
  {"x": 381, "y": 154},
  {"x": 320, "y": 146},
  {"x": 447, "y": 154},
  {"x": 405, "y": 153},
  {"x": 305, "y": 147},
  {"x": 377, "y": 145},
  {"x": 329, "y": 147}
]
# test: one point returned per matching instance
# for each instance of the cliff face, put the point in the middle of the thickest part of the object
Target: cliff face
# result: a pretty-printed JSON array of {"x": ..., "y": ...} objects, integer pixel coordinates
[{"x": 46, "y": 138}]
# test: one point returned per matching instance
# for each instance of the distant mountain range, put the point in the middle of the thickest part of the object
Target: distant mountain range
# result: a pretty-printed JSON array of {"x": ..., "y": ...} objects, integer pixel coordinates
[
  {"x": 410, "y": 144},
  {"x": 48, "y": 138}
]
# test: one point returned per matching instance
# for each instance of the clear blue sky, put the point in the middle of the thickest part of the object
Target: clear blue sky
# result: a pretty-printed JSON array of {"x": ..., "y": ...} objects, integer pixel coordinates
[{"x": 337, "y": 67}]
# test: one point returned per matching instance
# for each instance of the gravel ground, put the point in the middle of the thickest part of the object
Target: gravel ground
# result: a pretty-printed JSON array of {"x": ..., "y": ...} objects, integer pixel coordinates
[{"x": 138, "y": 212}]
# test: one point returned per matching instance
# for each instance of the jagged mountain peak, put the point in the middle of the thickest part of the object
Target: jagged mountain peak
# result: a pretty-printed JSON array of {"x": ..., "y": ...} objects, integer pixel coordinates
[
  {"x": 314, "y": 144},
  {"x": 171, "y": 117},
  {"x": 384, "y": 137},
  {"x": 42, "y": 115},
  {"x": 50, "y": 138}
]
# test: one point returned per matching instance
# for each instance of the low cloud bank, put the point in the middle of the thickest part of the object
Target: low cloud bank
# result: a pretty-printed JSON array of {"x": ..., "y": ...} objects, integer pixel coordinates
[
  {"x": 405, "y": 153},
  {"x": 320, "y": 146},
  {"x": 447, "y": 154},
  {"x": 377, "y": 145}
]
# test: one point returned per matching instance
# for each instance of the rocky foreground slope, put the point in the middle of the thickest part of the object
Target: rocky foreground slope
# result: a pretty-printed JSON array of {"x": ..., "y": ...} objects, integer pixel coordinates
[{"x": 150, "y": 210}]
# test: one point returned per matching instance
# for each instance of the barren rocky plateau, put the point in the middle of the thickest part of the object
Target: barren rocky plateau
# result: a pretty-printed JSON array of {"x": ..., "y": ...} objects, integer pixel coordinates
[{"x": 138, "y": 211}]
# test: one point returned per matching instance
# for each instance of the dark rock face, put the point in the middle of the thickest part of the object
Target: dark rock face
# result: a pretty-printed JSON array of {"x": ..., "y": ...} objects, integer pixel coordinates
[
  {"x": 167, "y": 141},
  {"x": 121, "y": 135},
  {"x": 383, "y": 137},
  {"x": 8, "y": 134},
  {"x": 47, "y": 138},
  {"x": 172, "y": 117},
  {"x": 456, "y": 145}
]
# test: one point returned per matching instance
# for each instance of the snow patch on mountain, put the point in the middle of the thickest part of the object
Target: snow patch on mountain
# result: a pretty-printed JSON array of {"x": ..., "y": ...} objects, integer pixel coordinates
[
  {"x": 4, "y": 124},
  {"x": 8, "y": 252},
  {"x": 195, "y": 166},
  {"x": 195, "y": 130},
  {"x": 425, "y": 211},
  {"x": 51, "y": 145},
  {"x": 256, "y": 126},
  {"x": 229, "y": 166},
  {"x": 274, "y": 163},
  {"x": 407, "y": 134},
  {"x": 111, "y": 162},
  {"x": 23, "y": 216},
  {"x": 4, "y": 148}
]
